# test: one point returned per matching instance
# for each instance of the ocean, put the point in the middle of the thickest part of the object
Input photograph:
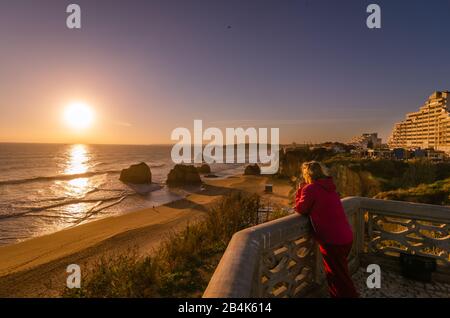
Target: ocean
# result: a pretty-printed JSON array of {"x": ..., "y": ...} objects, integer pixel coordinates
[{"x": 45, "y": 188}]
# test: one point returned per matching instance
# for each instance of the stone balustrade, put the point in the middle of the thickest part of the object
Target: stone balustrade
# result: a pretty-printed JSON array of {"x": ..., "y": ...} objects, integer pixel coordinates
[{"x": 280, "y": 258}]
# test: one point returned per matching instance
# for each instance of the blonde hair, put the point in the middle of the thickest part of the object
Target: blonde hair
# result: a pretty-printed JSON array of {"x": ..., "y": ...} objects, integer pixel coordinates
[{"x": 313, "y": 170}]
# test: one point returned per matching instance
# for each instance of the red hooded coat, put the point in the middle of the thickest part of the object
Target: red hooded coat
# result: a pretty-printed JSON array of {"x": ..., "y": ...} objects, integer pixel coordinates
[{"x": 320, "y": 201}]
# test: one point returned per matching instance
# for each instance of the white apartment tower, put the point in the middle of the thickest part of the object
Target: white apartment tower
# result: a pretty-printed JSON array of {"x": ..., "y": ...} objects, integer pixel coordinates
[{"x": 427, "y": 128}]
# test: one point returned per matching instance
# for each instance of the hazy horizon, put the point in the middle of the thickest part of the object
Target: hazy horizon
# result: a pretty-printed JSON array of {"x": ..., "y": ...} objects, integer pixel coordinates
[
  {"x": 113, "y": 144},
  {"x": 311, "y": 68}
]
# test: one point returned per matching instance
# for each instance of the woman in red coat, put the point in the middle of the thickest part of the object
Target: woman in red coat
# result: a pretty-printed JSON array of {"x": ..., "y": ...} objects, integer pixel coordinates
[{"x": 317, "y": 198}]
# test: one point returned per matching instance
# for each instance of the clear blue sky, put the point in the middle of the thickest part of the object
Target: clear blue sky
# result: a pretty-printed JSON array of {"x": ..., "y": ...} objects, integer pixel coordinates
[{"x": 311, "y": 68}]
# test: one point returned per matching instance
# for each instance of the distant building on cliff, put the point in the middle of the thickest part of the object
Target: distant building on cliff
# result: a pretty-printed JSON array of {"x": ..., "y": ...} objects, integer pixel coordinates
[
  {"x": 366, "y": 141},
  {"x": 427, "y": 128}
]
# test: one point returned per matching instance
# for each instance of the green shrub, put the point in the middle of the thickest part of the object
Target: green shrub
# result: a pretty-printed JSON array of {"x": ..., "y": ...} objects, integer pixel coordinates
[
  {"x": 418, "y": 172},
  {"x": 435, "y": 193},
  {"x": 121, "y": 275}
]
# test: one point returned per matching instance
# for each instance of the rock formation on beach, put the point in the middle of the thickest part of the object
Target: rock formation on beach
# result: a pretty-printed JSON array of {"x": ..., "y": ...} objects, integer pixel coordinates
[
  {"x": 252, "y": 170},
  {"x": 182, "y": 175},
  {"x": 137, "y": 174},
  {"x": 204, "y": 168}
]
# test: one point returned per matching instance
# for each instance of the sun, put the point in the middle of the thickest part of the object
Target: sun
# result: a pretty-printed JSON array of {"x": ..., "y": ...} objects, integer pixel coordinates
[{"x": 78, "y": 115}]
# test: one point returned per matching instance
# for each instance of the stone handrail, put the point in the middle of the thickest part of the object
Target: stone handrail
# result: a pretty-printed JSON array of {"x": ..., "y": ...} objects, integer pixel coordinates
[
  {"x": 395, "y": 226},
  {"x": 280, "y": 259}
]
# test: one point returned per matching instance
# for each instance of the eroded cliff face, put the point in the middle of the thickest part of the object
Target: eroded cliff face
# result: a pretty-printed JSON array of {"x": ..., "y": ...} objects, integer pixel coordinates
[
  {"x": 291, "y": 160},
  {"x": 414, "y": 180},
  {"x": 349, "y": 182},
  {"x": 354, "y": 183},
  {"x": 289, "y": 165}
]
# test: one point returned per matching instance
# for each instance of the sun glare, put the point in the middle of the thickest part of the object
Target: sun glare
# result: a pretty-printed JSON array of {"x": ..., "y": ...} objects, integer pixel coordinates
[{"x": 78, "y": 115}]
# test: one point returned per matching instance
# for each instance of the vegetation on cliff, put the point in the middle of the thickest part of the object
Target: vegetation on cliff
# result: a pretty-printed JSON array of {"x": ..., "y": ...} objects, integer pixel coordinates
[
  {"x": 435, "y": 193},
  {"x": 395, "y": 174},
  {"x": 412, "y": 180}
]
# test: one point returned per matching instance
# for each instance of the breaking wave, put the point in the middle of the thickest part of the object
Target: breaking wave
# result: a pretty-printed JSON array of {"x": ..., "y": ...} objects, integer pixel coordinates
[{"x": 67, "y": 176}]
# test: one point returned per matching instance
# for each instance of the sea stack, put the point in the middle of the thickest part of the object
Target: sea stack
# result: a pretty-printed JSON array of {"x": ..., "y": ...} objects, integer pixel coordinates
[
  {"x": 182, "y": 175},
  {"x": 204, "y": 168},
  {"x": 252, "y": 170},
  {"x": 137, "y": 174}
]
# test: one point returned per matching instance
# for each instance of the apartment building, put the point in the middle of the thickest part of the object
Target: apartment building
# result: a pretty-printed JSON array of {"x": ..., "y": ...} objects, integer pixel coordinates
[{"x": 427, "y": 128}]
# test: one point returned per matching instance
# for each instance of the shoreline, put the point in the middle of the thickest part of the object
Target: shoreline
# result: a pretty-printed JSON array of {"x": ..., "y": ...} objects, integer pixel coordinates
[
  {"x": 22, "y": 265},
  {"x": 110, "y": 200}
]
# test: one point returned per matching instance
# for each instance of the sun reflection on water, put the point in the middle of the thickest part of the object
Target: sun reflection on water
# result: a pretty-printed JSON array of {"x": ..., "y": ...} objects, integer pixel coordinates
[
  {"x": 77, "y": 164},
  {"x": 80, "y": 185}
]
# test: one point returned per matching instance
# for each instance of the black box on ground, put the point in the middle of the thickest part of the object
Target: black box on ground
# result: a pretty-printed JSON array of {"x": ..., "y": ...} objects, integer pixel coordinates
[{"x": 417, "y": 267}]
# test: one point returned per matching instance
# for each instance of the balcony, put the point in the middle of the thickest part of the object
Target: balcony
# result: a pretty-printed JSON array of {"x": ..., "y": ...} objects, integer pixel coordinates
[{"x": 280, "y": 258}]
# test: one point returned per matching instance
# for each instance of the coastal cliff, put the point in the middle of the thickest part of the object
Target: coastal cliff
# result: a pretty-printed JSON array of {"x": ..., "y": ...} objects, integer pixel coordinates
[{"x": 412, "y": 180}]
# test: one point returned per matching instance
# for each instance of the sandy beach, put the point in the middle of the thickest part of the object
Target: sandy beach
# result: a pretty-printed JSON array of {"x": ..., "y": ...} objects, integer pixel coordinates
[{"x": 37, "y": 267}]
